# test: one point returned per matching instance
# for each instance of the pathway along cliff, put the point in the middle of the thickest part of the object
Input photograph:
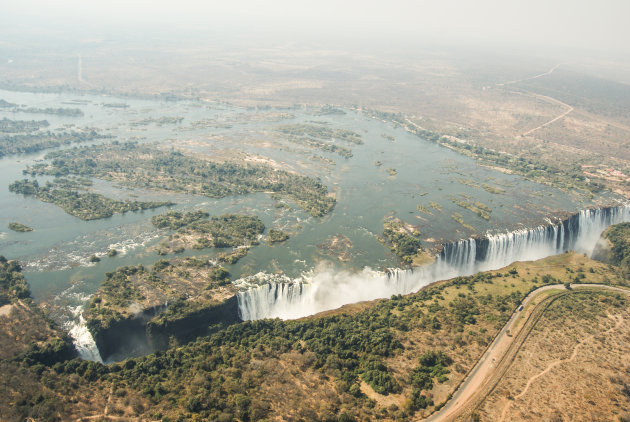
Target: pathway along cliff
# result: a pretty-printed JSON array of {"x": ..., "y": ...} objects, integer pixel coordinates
[{"x": 495, "y": 362}]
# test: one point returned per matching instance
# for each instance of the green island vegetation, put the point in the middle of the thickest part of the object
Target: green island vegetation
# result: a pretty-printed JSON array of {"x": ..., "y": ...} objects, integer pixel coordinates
[
  {"x": 416, "y": 348},
  {"x": 21, "y": 137},
  {"x": 322, "y": 146},
  {"x": 435, "y": 206},
  {"x": 191, "y": 282},
  {"x": 83, "y": 205},
  {"x": 145, "y": 166},
  {"x": 567, "y": 177},
  {"x": 479, "y": 208},
  {"x": 392, "y": 171},
  {"x": 276, "y": 236},
  {"x": 233, "y": 256},
  {"x": 460, "y": 219},
  {"x": 424, "y": 209},
  {"x": 112, "y": 253},
  {"x": 17, "y": 126},
  {"x": 317, "y": 137},
  {"x": 59, "y": 111},
  {"x": 115, "y": 105},
  {"x": 19, "y": 227},
  {"x": 329, "y": 110},
  {"x": 158, "y": 121},
  {"x": 321, "y": 132},
  {"x": 322, "y": 159},
  {"x": 5, "y": 104},
  {"x": 403, "y": 240},
  {"x": 492, "y": 189},
  {"x": 197, "y": 230}
]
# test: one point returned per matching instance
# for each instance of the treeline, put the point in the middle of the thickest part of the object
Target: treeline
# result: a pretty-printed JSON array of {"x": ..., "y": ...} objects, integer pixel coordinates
[{"x": 143, "y": 166}]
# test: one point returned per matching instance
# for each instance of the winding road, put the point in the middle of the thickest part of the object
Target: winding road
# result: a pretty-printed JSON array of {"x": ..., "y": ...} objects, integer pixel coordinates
[{"x": 498, "y": 358}]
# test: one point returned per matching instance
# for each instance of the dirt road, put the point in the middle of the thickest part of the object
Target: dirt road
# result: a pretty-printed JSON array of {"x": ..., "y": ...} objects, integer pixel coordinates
[{"x": 499, "y": 356}]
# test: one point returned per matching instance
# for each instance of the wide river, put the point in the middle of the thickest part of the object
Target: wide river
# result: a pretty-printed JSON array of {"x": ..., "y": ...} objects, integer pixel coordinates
[{"x": 421, "y": 174}]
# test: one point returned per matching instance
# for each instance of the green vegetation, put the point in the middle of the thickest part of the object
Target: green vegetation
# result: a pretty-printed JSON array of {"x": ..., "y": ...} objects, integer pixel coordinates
[
  {"x": 193, "y": 283},
  {"x": 321, "y": 132},
  {"x": 6, "y": 104},
  {"x": 318, "y": 137},
  {"x": 12, "y": 284},
  {"x": 22, "y": 137},
  {"x": 479, "y": 208},
  {"x": 175, "y": 220},
  {"x": 59, "y": 111},
  {"x": 234, "y": 256},
  {"x": 458, "y": 218},
  {"x": 257, "y": 370},
  {"x": 492, "y": 189},
  {"x": 158, "y": 121},
  {"x": 424, "y": 209},
  {"x": 619, "y": 237},
  {"x": 565, "y": 177},
  {"x": 83, "y": 205},
  {"x": 16, "y": 126},
  {"x": 144, "y": 166},
  {"x": 276, "y": 236},
  {"x": 19, "y": 227},
  {"x": 436, "y": 206},
  {"x": 432, "y": 366},
  {"x": 403, "y": 242},
  {"x": 194, "y": 229}
]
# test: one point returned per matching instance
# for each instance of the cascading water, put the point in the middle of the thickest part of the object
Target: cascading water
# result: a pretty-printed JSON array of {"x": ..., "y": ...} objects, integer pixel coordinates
[
  {"x": 329, "y": 290},
  {"x": 83, "y": 340}
]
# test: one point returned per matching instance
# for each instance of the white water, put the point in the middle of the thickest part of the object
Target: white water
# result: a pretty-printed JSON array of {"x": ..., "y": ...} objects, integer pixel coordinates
[
  {"x": 83, "y": 341},
  {"x": 75, "y": 324},
  {"x": 326, "y": 289}
]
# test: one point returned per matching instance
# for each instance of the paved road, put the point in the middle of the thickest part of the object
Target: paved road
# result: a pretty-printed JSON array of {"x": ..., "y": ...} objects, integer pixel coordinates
[{"x": 497, "y": 359}]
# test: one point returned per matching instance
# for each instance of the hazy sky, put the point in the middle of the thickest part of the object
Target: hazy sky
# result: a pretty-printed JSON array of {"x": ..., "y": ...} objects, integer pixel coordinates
[{"x": 601, "y": 24}]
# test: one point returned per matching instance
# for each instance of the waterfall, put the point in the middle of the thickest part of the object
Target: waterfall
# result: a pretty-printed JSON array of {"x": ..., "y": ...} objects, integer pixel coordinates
[
  {"x": 81, "y": 336},
  {"x": 326, "y": 289}
]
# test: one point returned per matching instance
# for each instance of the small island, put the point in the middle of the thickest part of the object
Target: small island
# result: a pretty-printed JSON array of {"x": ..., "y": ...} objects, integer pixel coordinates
[
  {"x": 197, "y": 230},
  {"x": 20, "y": 228},
  {"x": 276, "y": 236},
  {"x": 83, "y": 205},
  {"x": 403, "y": 240}
]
